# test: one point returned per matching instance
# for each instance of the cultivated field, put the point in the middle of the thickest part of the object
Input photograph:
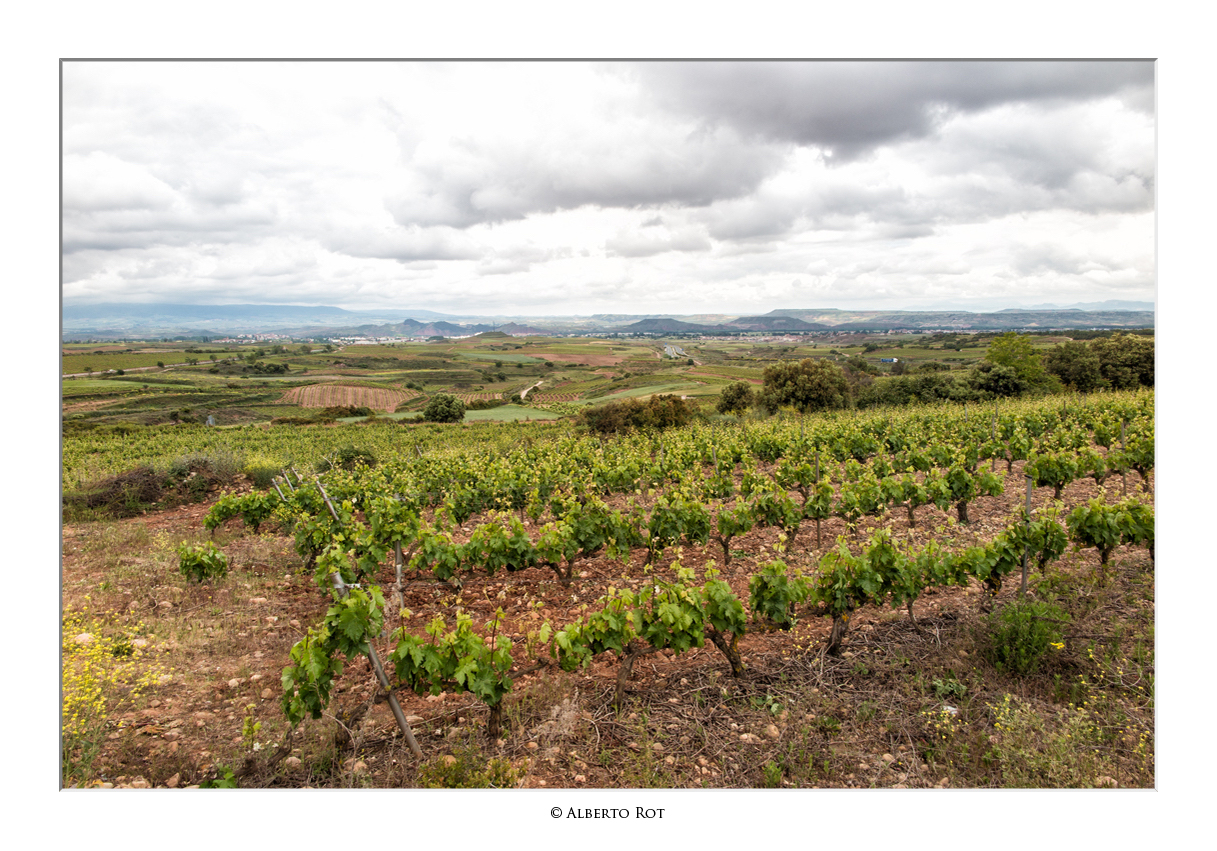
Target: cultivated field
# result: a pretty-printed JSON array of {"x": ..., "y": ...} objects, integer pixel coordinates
[{"x": 334, "y": 395}]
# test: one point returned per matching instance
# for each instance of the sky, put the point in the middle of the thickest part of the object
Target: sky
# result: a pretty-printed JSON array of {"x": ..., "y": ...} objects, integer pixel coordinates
[{"x": 572, "y": 188}]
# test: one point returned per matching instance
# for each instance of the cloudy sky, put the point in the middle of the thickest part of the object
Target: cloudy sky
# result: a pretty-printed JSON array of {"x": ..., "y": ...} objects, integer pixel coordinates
[{"x": 572, "y": 188}]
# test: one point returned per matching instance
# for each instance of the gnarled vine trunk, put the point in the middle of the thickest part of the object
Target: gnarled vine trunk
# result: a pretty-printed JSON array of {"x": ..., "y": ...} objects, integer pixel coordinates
[
  {"x": 728, "y": 643},
  {"x": 633, "y": 651},
  {"x": 912, "y": 617},
  {"x": 840, "y": 624}
]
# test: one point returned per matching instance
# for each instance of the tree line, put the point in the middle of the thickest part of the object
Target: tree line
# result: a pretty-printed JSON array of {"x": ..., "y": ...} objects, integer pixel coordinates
[{"x": 1012, "y": 367}]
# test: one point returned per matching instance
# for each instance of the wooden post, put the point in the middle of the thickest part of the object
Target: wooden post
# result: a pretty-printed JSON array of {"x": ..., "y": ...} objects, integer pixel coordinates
[
  {"x": 374, "y": 658},
  {"x": 328, "y": 504},
  {"x": 1023, "y": 588},
  {"x": 276, "y": 486},
  {"x": 400, "y": 716}
]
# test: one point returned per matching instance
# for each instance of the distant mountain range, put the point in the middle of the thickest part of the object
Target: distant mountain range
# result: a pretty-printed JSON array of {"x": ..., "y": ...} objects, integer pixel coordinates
[
  {"x": 1112, "y": 304},
  {"x": 135, "y": 321}
]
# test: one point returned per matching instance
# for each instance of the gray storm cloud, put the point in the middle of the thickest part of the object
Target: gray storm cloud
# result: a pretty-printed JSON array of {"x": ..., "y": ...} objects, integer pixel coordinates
[{"x": 853, "y": 107}]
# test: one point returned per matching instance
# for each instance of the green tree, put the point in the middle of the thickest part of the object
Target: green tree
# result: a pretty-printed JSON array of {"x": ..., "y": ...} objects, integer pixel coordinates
[
  {"x": 444, "y": 408},
  {"x": 1076, "y": 365},
  {"x": 1000, "y": 380},
  {"x": 1126, "y": 361},
  {"x": 1015, "y": 351},
  {"x": 736, "y": 398},
  {"x": 809, "y": 385}
]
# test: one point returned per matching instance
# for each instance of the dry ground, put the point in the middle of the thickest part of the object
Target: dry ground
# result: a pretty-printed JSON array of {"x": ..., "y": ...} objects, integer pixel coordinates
[{"x": 872, "y": 717}]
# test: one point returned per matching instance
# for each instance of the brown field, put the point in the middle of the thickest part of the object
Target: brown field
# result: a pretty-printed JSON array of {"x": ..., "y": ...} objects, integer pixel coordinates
[{"x": 331, "y": 395}]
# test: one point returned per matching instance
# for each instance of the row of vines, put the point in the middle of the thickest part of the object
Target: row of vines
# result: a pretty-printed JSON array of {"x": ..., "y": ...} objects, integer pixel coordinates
[{"x": 695, "y": 485}]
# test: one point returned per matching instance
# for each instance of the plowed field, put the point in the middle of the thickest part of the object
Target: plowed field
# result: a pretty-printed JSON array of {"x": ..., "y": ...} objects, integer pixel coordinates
[{"x": 331, "y": 395}]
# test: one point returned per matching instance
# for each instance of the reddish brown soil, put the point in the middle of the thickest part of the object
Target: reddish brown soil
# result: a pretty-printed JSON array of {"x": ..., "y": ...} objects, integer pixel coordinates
[{"x": 228, "y": 644}]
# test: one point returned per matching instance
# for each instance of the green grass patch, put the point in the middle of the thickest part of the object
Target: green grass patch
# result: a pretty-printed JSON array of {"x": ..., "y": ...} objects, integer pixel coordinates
[
  {"x": 93, "y": 387},
  {"x": 74, "y": 364},
  {"x": 508, "y": 413},
  {"x": 732, "y": 372}
]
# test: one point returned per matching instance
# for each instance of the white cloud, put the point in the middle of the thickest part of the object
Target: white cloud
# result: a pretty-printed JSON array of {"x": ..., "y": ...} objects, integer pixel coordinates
[{"x": 607, "y": 187}]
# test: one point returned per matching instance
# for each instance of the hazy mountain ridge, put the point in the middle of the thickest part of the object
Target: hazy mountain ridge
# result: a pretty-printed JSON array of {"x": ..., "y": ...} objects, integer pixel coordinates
[{"x": 156, "y": 320}]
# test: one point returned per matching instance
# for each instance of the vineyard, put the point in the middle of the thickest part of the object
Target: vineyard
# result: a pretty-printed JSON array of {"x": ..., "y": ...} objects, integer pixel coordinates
[{"x": 928, "y": 596}]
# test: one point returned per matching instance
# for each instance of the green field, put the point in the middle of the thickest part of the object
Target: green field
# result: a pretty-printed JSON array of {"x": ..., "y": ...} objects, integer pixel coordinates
[
  {"x": 75, "y": 364},
  {"x": 93, "y": 386},
  {"x": 736, "y": 372},
  {"x": 508, "y": 413}
]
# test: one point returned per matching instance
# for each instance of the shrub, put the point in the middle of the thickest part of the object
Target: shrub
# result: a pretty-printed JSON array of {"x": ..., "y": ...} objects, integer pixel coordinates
[
  {"x": 485, "y": 404},
  {"x": 219, "y": 465},
  {"x": 200, "y": 563},
  {"x": 334, "y": 412},
  {"x": 809, "y": 385},
  {"x": 262, "y": 472},
  {"x": 658, "y": 412},
  {"x": 736, "y": 398},
  {"x": 911, "y": 389},
  {"x": 444, "y": 408},
  {"x": 1021, "y": 633},
  {"x": 123, "y": 495}
]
